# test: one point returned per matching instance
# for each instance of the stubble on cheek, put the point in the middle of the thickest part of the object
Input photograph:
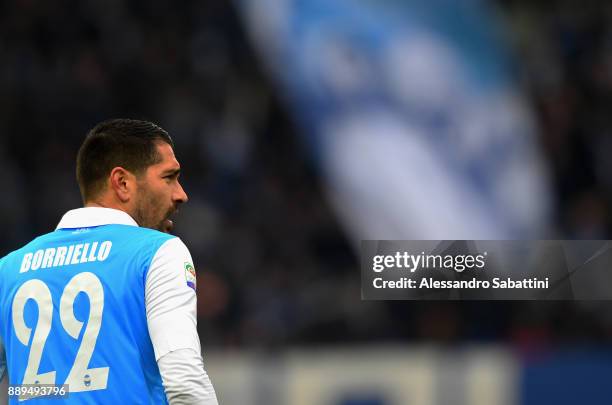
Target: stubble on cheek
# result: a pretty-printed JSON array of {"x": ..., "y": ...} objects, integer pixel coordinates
[
  {"x": 139, "y": 214},
  {"x": 149, "y": 211},
  {"x": 154, "y": 216},
  {"x": 143, "y": 210}
]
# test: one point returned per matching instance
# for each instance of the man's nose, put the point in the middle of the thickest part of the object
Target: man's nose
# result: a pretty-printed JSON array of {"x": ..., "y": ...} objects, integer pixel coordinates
[{"x": 180, "y": 195}]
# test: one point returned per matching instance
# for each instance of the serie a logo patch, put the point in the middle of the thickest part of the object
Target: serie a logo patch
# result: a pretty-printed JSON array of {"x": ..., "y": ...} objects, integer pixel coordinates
[{"x": 190, "y": 275}]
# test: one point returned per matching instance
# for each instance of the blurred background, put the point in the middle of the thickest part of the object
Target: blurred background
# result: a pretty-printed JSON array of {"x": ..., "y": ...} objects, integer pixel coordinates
[{"x": 304, "y": 127}]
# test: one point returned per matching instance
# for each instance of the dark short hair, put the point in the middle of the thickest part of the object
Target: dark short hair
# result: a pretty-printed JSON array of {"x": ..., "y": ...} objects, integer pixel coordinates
[{"x": 128, "y": 143}]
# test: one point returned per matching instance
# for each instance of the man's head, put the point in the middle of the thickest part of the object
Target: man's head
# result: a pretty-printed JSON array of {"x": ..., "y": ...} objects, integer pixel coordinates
[{"x": 130, "y": 165}]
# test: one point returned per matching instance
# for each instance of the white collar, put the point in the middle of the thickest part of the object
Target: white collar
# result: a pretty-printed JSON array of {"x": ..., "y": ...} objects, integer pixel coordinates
[{"x": 94, "y": 216}]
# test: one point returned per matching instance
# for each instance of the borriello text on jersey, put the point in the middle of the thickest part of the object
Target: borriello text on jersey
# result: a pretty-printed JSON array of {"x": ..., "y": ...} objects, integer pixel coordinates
[{"x": 66, "y": 255}]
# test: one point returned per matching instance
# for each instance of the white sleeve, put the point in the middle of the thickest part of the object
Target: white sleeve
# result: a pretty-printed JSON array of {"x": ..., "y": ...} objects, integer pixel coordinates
[
  {"x": 185, "y": 380},
  {"x": 171, "y": 317},
  {"x": 170, "y": 302}
]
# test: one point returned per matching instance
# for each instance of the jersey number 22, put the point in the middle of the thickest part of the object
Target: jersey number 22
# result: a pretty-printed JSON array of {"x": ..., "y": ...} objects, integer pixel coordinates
[{"x": 80, "y": 378}]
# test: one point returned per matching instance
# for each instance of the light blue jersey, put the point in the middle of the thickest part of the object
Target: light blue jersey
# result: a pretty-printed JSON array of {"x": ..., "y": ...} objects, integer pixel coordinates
[{"x": 72, "y": 311}]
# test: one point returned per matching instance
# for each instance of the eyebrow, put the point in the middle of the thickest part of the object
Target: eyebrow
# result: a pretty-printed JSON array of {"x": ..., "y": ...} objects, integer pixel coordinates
[{"x": 174, "y": 172}]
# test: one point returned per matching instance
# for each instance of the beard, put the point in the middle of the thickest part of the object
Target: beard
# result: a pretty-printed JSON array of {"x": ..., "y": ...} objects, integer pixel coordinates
[{"x": 148, "y": 213}]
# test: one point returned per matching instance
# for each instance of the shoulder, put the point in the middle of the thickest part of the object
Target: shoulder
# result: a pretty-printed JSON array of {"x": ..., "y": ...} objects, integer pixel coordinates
[
  {"x": 33, "y": 244},
  {"x": 163, "y": 243},
  {"x": 171, "y": 268},
  {"x": 173, "y": 258},
  {"x": 172, "y": 248},
  {"x": 144, "y": 237},
  {"x": 14, "y": 259},
  {"x": 137, "y": 231},
  {"x": 155, "y": 247}
]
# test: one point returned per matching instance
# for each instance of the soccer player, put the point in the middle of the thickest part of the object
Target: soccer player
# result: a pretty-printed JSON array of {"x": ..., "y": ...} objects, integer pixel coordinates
[{"x": 106, "y": 303}]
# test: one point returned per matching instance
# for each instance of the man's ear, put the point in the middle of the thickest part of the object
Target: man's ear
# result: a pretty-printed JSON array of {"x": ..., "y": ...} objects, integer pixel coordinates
[{"x": 123, "y": 183}]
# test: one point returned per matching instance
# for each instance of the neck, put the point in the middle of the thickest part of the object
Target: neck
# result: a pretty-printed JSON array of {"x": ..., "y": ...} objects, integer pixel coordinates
[{"x": 105, "y": 204}]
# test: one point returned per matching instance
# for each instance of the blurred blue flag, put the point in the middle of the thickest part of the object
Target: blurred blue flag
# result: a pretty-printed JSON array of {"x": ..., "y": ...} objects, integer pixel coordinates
[{"x": 411, "y": 113}]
